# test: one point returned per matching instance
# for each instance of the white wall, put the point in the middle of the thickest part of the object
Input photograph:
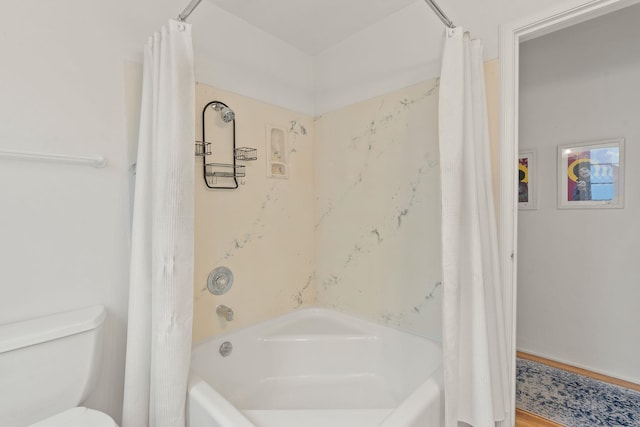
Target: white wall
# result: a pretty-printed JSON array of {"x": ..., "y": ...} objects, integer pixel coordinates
[
  {"x": 238, "y": 57},
  {"x": 406, "y": 48},
  {"x": 396, "y": 52},
  {"x": 64, "y": 229},
  {"x": 578, "y": 282}
]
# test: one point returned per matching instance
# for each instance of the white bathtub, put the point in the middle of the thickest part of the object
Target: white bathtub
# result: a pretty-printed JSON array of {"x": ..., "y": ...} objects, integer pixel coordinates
[{"x": 316, "y": 368}]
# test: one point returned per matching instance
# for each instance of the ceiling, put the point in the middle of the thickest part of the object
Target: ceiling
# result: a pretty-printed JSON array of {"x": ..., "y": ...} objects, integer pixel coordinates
[{"x": 312, "y": 26}]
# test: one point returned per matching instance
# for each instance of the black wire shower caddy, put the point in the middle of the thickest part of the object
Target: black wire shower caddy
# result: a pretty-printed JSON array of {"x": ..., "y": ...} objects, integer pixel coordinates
[{"x": 230, "y": 174}]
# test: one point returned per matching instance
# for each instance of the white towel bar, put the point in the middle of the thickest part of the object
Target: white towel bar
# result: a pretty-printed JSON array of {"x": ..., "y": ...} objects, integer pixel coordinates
[{"x": 96, "y": 162}]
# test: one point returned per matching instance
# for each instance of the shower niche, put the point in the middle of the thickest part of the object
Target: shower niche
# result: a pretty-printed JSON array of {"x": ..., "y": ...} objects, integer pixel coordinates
[
  {"x": 228, "y": 171},
  {"x": 277, "y": 162}
]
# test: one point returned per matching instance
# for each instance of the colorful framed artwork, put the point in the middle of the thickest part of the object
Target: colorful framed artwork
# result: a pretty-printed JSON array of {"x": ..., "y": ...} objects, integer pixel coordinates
[
  {"x": 591, "y": 175},
  {"x": 527, "y": 180}
]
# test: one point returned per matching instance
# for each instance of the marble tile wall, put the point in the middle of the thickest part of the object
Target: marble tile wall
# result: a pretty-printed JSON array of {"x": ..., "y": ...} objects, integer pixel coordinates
[
  {"x": 377, "y": 223},
  {"x": 356, "y": 227},
  {"x": 262, "y": 231}
]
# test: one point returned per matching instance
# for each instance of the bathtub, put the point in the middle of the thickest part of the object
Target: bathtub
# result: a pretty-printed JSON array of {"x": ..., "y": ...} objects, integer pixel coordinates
[{"x": 316, "y": 368}]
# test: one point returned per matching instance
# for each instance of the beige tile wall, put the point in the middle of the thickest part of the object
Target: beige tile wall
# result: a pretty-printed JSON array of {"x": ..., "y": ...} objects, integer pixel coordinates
[
  {"x": 377, "y": 229},
  {"x": 356, "y": 227},
  {"x": 262, "y": 231}
]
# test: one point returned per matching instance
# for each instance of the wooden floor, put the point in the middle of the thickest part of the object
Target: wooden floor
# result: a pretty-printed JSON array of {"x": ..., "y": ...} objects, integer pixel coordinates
[{"x": 527, "y": 419}]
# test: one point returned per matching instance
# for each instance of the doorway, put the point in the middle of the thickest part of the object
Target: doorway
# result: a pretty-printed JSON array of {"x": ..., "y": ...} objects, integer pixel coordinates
[{"x": 563, "y": 290}]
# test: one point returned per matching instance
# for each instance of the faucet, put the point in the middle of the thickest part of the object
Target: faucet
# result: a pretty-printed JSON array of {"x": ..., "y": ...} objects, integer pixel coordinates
[{"x": 225, "y": 312}]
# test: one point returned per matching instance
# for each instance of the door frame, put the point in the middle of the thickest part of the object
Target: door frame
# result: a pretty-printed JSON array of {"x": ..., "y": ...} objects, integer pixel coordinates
[{"x": 560, "y": 16}]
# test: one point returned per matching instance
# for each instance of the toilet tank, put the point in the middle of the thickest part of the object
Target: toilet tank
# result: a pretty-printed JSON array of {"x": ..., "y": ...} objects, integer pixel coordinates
[{"x": 48, "y": 364}]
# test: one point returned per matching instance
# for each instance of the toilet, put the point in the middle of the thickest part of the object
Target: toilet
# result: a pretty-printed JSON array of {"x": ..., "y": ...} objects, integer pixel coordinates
[{"x": 48, "y": 367}]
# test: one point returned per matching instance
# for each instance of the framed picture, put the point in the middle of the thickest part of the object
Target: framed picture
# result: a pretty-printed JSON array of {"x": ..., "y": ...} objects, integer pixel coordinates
[
  {"x": 591, "y": 174},
  {"x": 527, "y": 179}
]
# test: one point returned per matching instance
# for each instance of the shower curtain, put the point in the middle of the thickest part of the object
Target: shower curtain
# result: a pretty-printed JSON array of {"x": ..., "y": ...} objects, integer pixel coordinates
[
  {"x": 161, "y": 277},
  {"x": 474, "y": 340}
]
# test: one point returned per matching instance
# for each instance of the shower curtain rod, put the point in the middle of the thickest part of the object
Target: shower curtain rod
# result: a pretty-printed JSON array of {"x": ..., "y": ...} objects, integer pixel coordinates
[
  {"x": 187, "y": 10},
  {"x": 434, "y": 6},
  {"x": 436, "y": 9}
]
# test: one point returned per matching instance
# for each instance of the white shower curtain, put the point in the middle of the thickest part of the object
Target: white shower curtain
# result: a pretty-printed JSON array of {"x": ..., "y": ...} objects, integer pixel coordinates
[
  {"x": 161, "y": 278},
  {"x": 474, "y": 340}
]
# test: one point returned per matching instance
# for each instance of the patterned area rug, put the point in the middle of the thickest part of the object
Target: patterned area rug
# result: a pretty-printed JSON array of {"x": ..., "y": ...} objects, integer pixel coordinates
[{"x": 574, "y": 400}]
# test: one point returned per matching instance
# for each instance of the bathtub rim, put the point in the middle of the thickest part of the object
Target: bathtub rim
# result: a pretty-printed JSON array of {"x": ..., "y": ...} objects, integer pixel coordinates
[
  {"x": 407, "y": 413},
  {"x": 227, "y": 414},
  {"x": 303, "y": 311},
  {"x": 307, "y": 325},
  {"x": 211, "y": 401}
]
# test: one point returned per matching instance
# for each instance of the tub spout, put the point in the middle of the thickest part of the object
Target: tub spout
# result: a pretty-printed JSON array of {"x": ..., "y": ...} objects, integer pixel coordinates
[{"x": 225, "y": 312}]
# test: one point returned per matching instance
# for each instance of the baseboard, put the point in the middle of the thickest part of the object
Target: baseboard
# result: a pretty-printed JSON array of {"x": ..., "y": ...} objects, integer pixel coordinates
[{"x": 576, "y": 369}]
